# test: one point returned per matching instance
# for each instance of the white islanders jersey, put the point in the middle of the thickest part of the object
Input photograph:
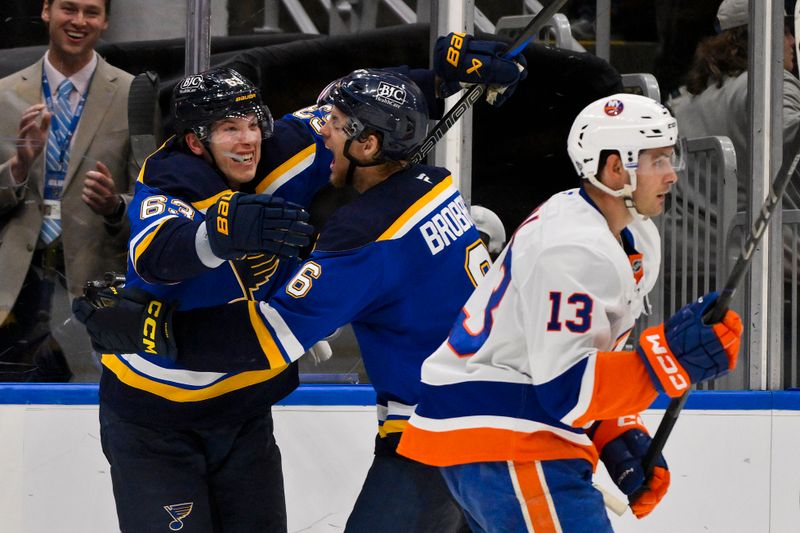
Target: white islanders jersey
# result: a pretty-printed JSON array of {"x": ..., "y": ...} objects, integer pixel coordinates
[{"x": 516, "y": 378}]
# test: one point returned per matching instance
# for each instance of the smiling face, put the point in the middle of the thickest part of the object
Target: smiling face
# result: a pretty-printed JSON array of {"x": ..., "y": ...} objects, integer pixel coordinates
[
  {"x": 654, "y": 178},
  {"x": 74, "y": 27},
  {"x": 235, "y": 144}
]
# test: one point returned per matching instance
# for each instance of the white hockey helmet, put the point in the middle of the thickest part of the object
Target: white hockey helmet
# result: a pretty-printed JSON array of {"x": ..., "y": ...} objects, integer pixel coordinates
[{"x": 625, "y": 123}]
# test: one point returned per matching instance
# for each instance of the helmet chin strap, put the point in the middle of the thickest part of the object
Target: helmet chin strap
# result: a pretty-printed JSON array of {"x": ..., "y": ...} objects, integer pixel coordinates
[
  {"x": 626, "y": 193},
  {"x": 351, "y": 169}
]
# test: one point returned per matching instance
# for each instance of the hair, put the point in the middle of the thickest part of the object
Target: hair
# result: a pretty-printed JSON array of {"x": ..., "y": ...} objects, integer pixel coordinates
[
  {"x": 716, "y": 58},
  {"x": 108, "y": 5},
  {"x": 603, "y": 158}
]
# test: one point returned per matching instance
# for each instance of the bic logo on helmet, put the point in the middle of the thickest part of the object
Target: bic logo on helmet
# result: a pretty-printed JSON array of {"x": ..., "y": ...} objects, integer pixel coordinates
[
  {"x": 390, "y": 94},
  {"x": 612, "y": 108},
  {"x": 192, "y": 81}
]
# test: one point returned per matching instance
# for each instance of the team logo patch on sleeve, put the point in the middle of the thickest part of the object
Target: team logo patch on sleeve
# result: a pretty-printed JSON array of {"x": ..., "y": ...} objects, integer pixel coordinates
[
  {"x": 637, "y": 265},
  {"x": 178, "y": 512},
  {"x": 254, "y": 271}
]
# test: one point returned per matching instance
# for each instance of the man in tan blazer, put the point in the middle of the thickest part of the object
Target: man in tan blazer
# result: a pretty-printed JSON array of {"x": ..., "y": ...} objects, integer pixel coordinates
[{"x": 98, "y": 173}]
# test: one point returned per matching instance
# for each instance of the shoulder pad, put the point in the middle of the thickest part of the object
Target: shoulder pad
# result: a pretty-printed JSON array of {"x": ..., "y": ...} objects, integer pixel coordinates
[
  {"x": 371, "y": 214},
  {"x": 290, "y": 137}
]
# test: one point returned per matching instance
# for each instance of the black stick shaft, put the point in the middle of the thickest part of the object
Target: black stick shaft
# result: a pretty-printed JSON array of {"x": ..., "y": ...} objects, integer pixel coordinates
[
  {"x": 476, "y": 91},
  {"x": 788, "y": 169}
]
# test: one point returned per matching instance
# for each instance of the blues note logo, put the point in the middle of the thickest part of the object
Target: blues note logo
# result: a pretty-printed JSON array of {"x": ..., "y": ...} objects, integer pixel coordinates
[
  {"x": 178, "y": 512},
  {"x": 254, "y": 271}
]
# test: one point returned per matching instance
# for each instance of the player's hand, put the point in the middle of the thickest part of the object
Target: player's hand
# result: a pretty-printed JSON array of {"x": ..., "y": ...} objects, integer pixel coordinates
[
  {"x": 622, "y": 444},
  {"x": 241, "y": 224},
  {"x": 684, "y": 350},
  {"x": 31, "y": 140},
  {"x": 127, "y": 320},
  {"x": 461, "y": 59}
]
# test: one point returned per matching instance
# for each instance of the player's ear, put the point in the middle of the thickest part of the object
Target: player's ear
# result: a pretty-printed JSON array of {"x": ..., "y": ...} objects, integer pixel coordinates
[
  {"x": 612, "y": 170},
  {"x": 372, "y": 145},
  {"x": 193, "y": 143}
]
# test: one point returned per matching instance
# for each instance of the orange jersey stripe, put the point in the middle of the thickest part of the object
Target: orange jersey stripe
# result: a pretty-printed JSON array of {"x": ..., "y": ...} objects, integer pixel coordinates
[
  {"x": 475, "y": 445},
  {"x": 621, "y": 386},
  {"x": 534, "y": 497}
]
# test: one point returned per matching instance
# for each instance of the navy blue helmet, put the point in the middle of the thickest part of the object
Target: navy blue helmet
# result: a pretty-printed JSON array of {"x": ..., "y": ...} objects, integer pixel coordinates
[
  {"x": 201, "y": 99},
  {"x": 385, "y": 102}
]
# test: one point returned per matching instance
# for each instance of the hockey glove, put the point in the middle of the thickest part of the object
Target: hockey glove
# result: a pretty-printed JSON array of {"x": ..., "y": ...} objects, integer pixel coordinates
[
  {"x": 684, "y": 350},
  {"x": 241, "y": 224},
  {"x": 127, "y": 320},
  {"x": 622, "y": 444},
  {"x": 459, "y": 58}
]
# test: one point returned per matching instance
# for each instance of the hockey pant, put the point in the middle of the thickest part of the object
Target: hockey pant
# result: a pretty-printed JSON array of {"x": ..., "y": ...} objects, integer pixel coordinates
[
  {"x": 402, "y": 496},
  {"x": 225, "y": 478},
  {"x": 540, "y": 496}
]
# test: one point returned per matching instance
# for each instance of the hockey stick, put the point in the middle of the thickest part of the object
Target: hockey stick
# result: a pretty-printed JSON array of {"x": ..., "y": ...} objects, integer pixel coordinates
[
  {"x": 476, "y": 91},
  {"x": 721, "y": 305}
]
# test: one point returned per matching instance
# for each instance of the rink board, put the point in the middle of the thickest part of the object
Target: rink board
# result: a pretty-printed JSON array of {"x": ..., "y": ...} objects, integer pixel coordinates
[{"x": 733, "y": 457}]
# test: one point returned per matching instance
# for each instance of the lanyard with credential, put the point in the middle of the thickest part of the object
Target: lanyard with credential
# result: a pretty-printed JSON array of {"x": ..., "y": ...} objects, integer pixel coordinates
[{"x": 75, "y": 118}]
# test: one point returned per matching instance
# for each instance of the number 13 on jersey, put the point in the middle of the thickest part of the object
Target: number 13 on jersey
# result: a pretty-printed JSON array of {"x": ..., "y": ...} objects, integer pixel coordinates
[{"x": 470, "y": 332}]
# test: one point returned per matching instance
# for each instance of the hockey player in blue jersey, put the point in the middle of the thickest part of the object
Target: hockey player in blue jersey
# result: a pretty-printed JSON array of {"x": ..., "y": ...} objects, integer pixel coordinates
[
  {"x": 178, "y": 440},
  {"x": 397, "y": 263},
  {"x": 426, "y": 218}
]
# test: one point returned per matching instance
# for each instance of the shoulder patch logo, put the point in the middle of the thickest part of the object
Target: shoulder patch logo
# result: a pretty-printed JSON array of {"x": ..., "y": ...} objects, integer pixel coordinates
[
  {"x": 178, "y": 512},
  {"x": 254, "y": 271}
]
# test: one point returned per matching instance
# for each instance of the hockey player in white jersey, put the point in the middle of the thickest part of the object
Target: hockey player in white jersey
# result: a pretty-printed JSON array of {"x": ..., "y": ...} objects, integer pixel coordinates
[{"x": 532, "y": 385}]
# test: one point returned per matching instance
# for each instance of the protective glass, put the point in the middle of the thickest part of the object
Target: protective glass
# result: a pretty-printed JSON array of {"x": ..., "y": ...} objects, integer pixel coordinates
[
  {"x": 335, "y": 94},
  {"x": 263, "y": 116},
  {"x": 650, "y": 161}
]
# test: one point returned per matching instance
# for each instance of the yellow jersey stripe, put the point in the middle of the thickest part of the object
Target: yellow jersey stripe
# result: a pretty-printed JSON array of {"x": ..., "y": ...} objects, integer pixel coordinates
[
  {"x": 180, "y": 394},
  {"x": 140, "y": 178},
  {"x": 285, "y": 167},
  {"x": 415, "y": 208},
  {"x": 266, "y": 341},
  {"x": 144, "y": 243},
  {"x": 202, "y": 205},
  {"x": 392, "y": 426}
]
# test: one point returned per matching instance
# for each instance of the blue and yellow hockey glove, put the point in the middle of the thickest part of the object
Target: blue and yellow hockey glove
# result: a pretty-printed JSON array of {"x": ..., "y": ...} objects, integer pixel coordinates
[
  {"x": 459, "y": 58},
  {"x": 243, "y": 224},
  {"x": 127, "y": 320}
]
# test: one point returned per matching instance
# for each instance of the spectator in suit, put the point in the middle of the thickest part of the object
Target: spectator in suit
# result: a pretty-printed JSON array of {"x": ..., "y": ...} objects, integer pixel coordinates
[{"x": 65, "y": 167}]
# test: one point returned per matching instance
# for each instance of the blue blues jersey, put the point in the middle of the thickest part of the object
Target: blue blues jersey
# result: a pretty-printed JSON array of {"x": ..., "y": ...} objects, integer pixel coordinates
[
  {"x": 172, "y": 194},
  {"x": 397, "y": 263}
]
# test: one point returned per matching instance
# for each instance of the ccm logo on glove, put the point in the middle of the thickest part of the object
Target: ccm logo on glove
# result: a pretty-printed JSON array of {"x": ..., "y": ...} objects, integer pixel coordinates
[
  {"x": 454, "y": 54},
  {"x": 667, "y": 362},
  {"x": 150, "y": 327}
]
